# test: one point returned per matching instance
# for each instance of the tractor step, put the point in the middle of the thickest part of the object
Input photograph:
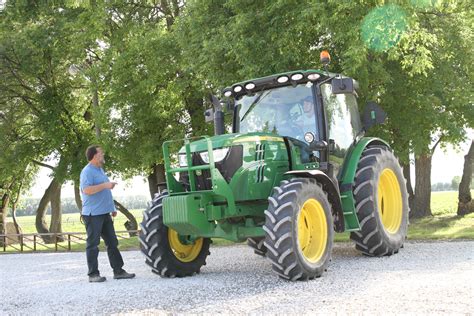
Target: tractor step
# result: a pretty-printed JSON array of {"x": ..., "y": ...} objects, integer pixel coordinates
[{"x": 350, "y": 217}]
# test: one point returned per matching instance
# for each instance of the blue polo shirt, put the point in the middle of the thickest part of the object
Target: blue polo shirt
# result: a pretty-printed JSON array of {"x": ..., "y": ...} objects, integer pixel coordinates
[{"x": 98, "y": 203}]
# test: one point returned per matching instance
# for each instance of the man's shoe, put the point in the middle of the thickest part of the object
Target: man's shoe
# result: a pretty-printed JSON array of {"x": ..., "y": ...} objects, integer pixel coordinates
[
  {"x": 96, "y": 278},
  {"x": 124, "y": 275}
]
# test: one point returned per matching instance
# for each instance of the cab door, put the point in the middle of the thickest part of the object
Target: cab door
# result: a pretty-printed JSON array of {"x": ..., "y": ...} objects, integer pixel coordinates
[{"x": 343, "y": 123}]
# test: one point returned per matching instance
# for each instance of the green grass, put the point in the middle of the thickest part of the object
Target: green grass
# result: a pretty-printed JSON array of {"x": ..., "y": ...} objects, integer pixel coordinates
[
  {"x": 71, "y": 222},
  {"x": 443, "y": 225}
]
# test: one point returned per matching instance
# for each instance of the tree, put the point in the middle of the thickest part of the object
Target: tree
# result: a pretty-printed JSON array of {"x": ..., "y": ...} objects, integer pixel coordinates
[
  {"x": 149, "y": 96},
  {"x": 455, "y": 182},
  {"x": 411, "y": 58},
  {"x": 465, "y": 202},
  {"x": 39, "y": 95}
]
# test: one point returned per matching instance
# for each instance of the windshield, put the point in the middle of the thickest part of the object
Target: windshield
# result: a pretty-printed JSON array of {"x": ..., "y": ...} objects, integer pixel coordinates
[{"x": 286, "y": 111}]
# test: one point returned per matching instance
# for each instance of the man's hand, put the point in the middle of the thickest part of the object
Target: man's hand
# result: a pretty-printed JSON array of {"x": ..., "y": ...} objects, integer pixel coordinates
[
  {"x": 114, "y": 213},
  {"x": 110, "y": 185},
  {"x": 93, "y": 189}
]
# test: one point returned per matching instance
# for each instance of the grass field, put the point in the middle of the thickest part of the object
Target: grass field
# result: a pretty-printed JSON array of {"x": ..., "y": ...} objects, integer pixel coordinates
[{"x": 444, "y": 225}]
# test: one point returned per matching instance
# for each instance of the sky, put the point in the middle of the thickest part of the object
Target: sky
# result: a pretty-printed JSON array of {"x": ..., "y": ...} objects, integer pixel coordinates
[{"x": 445, "y": 165}]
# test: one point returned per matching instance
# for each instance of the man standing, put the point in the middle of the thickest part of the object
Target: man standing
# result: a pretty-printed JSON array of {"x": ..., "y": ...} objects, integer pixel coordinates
[{"x": 97, "y": 204}]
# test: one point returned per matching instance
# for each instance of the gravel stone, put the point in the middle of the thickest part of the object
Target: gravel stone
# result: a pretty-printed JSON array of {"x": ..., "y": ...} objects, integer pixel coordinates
[{"x": 424, "y": 278}]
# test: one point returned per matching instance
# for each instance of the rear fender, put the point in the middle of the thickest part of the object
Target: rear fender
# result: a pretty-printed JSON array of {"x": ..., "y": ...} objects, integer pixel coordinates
[{"x": 346, "y": 179}]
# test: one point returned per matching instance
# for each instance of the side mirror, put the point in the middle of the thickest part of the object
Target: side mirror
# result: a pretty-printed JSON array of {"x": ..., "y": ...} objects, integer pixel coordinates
[
  {"x": 372, "y": 115},
  {"x": 318, "y": 145},
  {"x": 342, "y": 85},
  {"x": 209, "y": 115},
  {"x": 313, "y": 143}
]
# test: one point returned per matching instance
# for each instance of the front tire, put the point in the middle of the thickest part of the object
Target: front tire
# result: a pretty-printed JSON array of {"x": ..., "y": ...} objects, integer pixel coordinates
[
  {"x": 381, "y": 203},
  {"x": 299, "y": 230},
  {"x": 168, "y": 253}
]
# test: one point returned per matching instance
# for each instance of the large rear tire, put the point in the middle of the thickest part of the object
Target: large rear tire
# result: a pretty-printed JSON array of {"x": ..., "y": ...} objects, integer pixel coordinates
[
  {"x": 381, "y": 203},
  {"x": 299, "y": 230},
  {"x": 168, "y": 253}
]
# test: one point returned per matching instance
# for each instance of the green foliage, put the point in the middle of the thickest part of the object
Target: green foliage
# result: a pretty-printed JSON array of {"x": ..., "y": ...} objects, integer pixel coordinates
[
  {"x": 383, "y": 27},
  {"x": 413, "y": 58},
  {"x": 455, "y": 182},
  {"x": 129, "y": 75}
]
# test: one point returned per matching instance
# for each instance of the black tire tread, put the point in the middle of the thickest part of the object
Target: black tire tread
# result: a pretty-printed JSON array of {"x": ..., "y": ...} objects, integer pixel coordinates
[
  {"x": 155, "y": 246},
  {"x": 371, "y": 240},
  {"x": 278, "y": 227}
]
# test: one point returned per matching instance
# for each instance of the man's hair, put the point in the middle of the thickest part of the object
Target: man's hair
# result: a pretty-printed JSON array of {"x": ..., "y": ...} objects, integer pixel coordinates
[{"x": 91, "y": 151}]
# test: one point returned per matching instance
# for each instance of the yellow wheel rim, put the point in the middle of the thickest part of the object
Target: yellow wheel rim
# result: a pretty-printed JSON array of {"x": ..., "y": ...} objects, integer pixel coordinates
[
  {"x": 390, "y": 204},
  {"x": 312, "y": 230},
  {"x": 183, "y": 252}
]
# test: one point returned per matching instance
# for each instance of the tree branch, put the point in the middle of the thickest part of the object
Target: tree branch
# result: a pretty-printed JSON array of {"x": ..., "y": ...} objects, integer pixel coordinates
[
  {"x": 42, "y": 164},
  {"x": 436, "y": 144}
]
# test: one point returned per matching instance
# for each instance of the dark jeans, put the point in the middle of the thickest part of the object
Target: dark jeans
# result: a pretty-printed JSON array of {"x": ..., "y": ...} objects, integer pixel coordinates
[{"x": 97, "y": 226}]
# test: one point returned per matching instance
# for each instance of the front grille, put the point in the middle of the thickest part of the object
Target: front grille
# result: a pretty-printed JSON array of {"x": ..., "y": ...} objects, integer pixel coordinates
[{"x": 227, "y": 167}]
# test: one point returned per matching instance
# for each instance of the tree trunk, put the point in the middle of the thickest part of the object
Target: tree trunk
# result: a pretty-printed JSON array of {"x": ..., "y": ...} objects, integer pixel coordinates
[
  {"x": 3, "y": 215},
  {"x": 131, "y": 224},
  {"x": 56, "y": 213},
  {"x": 14, "y": 204},
  {"x": 41, "y": 225},
  {"x": 156, "y": 179},
  {"x": 406, "y": 173},
  {"x": 465, "y": 202},
  {"x": 15, "y": 222},
  {"x": 77, "y": 196},
  {"x": 422, "y": 201}
]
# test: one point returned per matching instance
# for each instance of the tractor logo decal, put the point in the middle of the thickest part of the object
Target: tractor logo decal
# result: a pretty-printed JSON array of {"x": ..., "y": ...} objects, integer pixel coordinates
[{"x": 260, "y": 158}]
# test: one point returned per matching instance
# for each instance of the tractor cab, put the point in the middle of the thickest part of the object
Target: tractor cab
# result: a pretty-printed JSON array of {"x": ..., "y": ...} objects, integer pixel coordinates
[{"x": 314, "y": 110}]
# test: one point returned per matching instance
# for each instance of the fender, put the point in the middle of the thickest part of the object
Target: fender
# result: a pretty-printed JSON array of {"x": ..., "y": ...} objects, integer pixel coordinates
[
  {"x": 332, "y": 191},
  {"x": 346, "y": 179}
]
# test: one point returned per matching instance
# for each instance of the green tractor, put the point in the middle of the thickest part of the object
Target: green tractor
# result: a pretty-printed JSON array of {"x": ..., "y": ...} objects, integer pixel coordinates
[{"x": 295, "y": 169}]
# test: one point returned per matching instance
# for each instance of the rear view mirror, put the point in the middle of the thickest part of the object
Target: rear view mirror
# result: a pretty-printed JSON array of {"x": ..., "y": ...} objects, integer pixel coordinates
[
  {"x": 342, "y": 85},
  {"x": 373, "y": 115}
]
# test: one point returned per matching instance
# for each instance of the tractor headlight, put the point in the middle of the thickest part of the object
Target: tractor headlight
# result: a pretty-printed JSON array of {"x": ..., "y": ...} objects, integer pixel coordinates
[
  {"x": 237, "y": 89},
  {"x": 282, "y": 79},
  {"x": 313, "y": 77},
  {"x": 250, "y": 86},
  {"x": 297, "y": 77},
  {"x": 182, "y": 160},
  {"x": 219, "y": 154}
]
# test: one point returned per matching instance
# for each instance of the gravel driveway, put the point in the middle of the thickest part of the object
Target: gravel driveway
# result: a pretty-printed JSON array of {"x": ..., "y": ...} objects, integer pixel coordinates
[{"x": 423, "y": 278}]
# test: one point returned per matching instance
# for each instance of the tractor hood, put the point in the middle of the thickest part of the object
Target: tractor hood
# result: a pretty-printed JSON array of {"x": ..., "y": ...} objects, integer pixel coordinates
[{"x": 228, "y": 140}]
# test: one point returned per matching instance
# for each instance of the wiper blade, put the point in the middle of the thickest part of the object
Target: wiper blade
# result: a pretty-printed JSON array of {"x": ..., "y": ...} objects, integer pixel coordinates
[{"x": 254, "y": 103}]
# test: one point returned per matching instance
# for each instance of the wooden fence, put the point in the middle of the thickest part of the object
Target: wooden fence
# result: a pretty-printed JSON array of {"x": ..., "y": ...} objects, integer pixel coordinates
[{"x": 12, "y": 243}]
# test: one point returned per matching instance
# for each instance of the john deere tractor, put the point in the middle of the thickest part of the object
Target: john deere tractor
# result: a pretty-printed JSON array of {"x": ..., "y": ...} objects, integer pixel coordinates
[{"x": 295, "y": 169}]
